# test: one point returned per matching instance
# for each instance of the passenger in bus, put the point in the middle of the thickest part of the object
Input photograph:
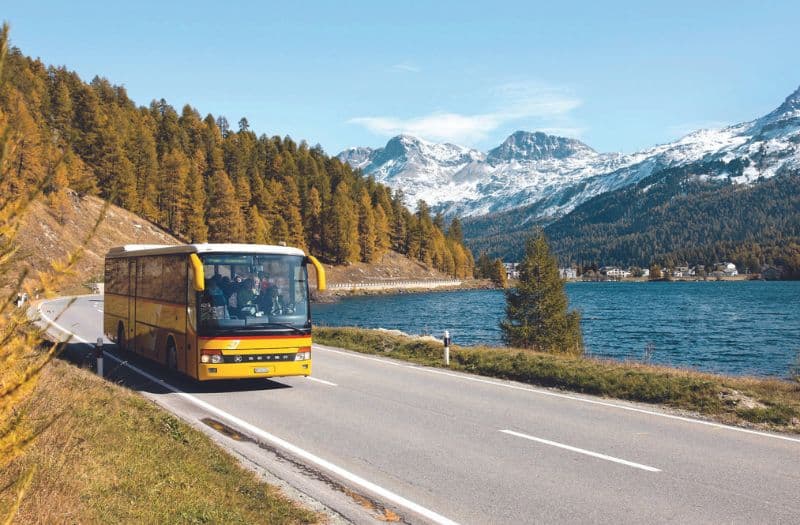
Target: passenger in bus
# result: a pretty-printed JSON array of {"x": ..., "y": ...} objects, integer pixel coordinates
[
  {"x": 212, "y": 303},
  {"x": 246, "y": 297}
]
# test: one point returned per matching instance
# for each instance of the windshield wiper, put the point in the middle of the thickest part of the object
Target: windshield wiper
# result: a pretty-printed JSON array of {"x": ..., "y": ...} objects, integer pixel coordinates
[{"x": 282, "y": 325}]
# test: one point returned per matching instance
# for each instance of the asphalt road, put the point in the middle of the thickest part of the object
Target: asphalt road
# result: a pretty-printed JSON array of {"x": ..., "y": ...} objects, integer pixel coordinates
[{"x": 369, "y": 437}]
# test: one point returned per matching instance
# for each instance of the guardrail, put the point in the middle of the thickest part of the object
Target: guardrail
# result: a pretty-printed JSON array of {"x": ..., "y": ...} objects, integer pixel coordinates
[{"x": 394, "y": 285}]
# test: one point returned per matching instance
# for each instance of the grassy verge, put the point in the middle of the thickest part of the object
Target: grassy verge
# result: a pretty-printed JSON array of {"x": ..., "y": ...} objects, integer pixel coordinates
[
  {"x": 744, "y": 401},
  {"x": 112, "y": 456}
]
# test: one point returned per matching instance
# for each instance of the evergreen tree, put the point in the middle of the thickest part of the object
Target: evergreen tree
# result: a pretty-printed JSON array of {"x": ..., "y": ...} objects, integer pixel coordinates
[
  {"x": 173, "y": 199},
  {"x": 484, "y": 266},
  {"x": 498, "y": 274},
  {"x": 58, "y": 197},
  {"x": 366, "y": 227},
  {"x": 341, "y": 227},
  {"x": 313, "y": 220},
  {"x": 289, "y": 205},
  {"x": 256, "y": 227},
  {"x": 225, "y": 223},
  {"x": 382, "y": 232},
  {"x": 536, "y": 310},
  {"x": 454, "y": 231},
  {"x": 196, "y": 229}
]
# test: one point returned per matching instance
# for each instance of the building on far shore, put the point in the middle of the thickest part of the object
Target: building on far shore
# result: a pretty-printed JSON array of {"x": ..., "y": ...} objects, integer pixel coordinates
[
  {"x": 512, "y": 270},
  {"x": 568, "y": 273},
  {"x": 612, "y": 272}
]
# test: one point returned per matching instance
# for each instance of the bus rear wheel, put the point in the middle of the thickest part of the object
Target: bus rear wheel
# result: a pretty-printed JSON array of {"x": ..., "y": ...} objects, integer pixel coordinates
[{"x": 120, "y": 337}]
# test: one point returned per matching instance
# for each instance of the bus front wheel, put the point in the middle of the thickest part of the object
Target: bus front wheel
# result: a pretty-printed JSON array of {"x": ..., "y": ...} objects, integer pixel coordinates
[{"x": 172, "y": 356}]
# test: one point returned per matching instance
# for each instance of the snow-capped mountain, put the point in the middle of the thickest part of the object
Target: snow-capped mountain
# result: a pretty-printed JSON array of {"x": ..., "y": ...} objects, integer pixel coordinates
[
  {"x": 551, "y": 175},
  {"x": 422, "y": 169}
]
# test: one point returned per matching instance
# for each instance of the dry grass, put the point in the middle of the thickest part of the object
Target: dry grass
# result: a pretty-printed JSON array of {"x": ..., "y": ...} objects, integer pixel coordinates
[
  {"x": 113, "y": 457},
  {"x": 754, "y": 402}
]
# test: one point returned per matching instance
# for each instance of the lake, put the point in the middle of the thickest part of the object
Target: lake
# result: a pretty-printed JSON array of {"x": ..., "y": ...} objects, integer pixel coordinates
[{"x": 738, "y": 327}]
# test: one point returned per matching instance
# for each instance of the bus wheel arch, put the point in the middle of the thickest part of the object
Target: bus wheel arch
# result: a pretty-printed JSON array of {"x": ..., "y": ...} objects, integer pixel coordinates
[{"x": 172, "y": 353}]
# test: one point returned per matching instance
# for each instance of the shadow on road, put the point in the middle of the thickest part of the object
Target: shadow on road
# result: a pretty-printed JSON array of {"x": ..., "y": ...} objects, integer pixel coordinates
[{"x": 82, "y": 355}]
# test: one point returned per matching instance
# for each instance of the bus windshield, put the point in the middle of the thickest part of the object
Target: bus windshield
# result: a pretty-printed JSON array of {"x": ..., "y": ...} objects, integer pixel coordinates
[{"x": 254, "y": 293}]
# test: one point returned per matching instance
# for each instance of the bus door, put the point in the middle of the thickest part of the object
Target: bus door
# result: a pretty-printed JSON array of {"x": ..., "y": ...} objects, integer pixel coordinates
[
  {"x": 131, "y": 324},
  {"x": 191, "y": 350}
]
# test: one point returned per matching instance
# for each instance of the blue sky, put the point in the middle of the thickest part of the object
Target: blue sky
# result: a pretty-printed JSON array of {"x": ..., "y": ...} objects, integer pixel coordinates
[{"x": 620, "y": 76}]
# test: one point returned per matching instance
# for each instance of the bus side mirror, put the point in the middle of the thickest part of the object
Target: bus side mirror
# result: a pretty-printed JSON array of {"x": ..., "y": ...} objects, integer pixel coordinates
[
  {"x": 199, "y": 277},
  {"x": 321, "y": 285}
]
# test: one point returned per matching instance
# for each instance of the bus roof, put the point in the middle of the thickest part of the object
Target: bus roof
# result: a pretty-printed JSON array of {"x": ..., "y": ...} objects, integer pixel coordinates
[{"x": 136, "y": 250}]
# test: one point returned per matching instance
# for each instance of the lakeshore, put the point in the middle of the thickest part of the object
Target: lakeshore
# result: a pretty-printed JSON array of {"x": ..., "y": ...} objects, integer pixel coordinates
[{"x": 737, "y": 328}]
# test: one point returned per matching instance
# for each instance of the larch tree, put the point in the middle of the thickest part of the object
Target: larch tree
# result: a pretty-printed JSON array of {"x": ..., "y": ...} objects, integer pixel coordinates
[
  {"x": 173, "y": 198},
  {"x": 257, "y": 232},
  {"x": 58, "y": 196},
  {"x": 498, "y": 274},
  {"x": 341, "y": 227},
  {"x": 382, "y": 232},
  {"x": 366, "y": 227},
  {"x": 196, "y": 228},
  {"x": 225, "y": 222}
]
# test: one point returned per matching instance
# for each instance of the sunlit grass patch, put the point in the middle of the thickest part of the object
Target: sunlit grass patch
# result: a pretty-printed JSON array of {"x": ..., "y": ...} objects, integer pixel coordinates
[{"x": 114, "y": 457}]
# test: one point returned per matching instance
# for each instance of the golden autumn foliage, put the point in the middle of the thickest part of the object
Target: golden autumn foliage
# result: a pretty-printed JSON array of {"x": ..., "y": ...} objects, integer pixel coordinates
[
  {"x": 27, "y": 169},
  {"x": 202, "y": 180}
]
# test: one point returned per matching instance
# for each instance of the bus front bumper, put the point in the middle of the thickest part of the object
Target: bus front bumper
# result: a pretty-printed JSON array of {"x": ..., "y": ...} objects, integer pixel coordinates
[{"x": 253, "y": 370}]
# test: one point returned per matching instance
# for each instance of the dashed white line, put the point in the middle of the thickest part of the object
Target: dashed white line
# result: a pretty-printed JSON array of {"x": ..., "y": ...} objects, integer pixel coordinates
[
  {"x": 317, "y": 380},
  {"x": 581, "y": 451},
  {"x": 465, "y": 377},
  {"x": 275, "y": 440}
]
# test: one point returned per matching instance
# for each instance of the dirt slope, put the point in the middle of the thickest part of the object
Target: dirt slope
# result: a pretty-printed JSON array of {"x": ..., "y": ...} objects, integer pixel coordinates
[{"x": 43, "y": 239}]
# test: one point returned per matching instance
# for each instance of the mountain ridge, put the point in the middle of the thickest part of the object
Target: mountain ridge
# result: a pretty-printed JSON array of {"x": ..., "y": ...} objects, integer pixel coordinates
[{"x": 549, "y": 176}]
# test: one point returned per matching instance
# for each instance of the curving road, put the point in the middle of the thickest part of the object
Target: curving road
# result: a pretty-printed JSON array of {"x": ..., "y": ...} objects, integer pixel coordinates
[{"x": 373, "y": 438}]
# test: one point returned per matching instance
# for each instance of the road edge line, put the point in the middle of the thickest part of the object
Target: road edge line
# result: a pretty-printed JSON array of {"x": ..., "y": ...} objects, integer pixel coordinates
[{"x": 275, "y": 440}]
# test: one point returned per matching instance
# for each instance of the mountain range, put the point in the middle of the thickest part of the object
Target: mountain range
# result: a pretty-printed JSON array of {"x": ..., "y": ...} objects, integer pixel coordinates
[{"x": 536, "y": 178}]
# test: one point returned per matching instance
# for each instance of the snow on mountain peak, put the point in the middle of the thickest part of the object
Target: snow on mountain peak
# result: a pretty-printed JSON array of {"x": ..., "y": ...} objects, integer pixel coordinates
[{"x": 524, "y": 145}]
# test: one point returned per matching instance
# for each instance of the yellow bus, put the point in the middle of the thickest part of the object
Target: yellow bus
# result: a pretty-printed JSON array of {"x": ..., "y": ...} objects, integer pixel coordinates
[{"x": 212, "y": 311}]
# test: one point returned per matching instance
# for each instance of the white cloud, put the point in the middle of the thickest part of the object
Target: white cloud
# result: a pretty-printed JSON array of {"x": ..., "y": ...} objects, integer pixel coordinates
[
  {"x": 531, "y": 104},
  {"x": 436, "y": 126},
  {"x": 405, "y": 67}
]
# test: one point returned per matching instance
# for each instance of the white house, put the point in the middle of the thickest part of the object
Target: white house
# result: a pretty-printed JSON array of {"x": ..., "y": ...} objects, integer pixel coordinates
[
  {"x": 617, "y": 273},
  {"x": 512, "y": 270},
  {"x": 730, "y": 270},
  {"x": 568, "y": 273}
]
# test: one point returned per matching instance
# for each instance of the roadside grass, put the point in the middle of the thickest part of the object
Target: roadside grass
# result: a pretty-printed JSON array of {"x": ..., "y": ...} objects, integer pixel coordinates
[
  {"x": 747, "y": 401},
  {"x": 111, "y": 456}
]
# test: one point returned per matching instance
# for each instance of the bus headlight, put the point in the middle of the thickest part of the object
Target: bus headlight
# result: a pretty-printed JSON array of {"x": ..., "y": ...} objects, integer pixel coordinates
[
  {"x": 303, "y": 353},
  {"x": 211, "y": 356}
]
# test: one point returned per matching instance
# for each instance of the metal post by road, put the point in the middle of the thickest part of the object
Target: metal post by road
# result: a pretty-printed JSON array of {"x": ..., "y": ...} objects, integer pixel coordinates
[
  {"x": 98, "y": 354},
  {"x": 447, "y": 348}
]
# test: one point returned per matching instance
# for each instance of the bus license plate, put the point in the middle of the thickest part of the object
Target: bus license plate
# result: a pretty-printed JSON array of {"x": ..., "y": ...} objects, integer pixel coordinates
[{"x": 261, "y": 370}]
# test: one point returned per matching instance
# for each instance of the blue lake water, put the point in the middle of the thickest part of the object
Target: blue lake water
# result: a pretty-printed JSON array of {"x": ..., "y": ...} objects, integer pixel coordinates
[{"x": 741, "y": 327}]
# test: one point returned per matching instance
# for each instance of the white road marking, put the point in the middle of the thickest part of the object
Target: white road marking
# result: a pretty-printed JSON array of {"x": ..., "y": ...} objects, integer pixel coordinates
[
  {"x": 362, "y": 356},
  {"x": 275, "y": 440},
  {"x": 465, "y": 377},
  {"x": 317, "y": 380},
  {"x": 582, "y": 451}
]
